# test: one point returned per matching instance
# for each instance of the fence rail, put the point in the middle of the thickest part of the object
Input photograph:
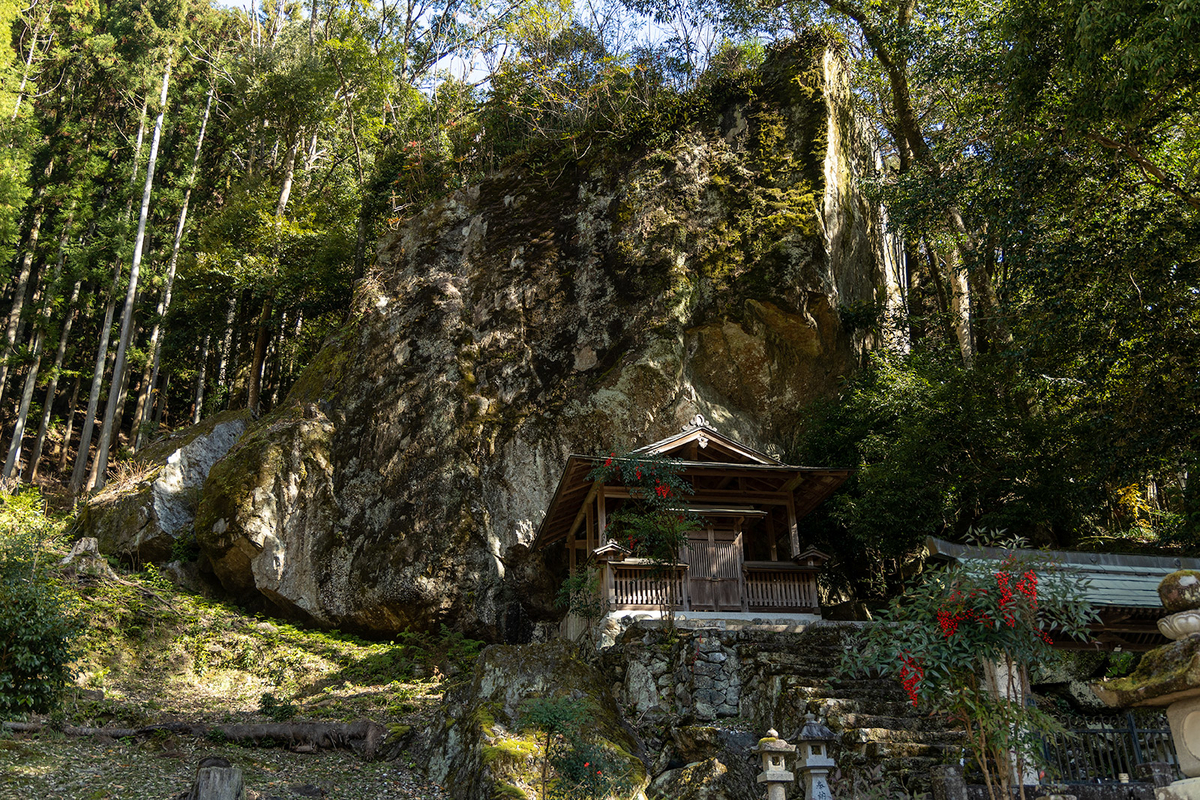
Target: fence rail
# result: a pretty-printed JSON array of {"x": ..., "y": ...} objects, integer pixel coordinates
[
  {"x": 1099, "y": 750},
  {"x": 641, "y": 586},
  {"x": 783, "y": 589}
]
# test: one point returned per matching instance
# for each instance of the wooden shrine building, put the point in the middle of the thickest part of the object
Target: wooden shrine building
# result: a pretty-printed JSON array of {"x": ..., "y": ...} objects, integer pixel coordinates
[{"x": 749, "y": 555}]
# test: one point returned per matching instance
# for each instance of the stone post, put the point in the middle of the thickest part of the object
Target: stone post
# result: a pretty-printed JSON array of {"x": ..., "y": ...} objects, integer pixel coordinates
[
  {"x": 774, "y": 775},
  {"x": 1158, "y": 773},
  {"x": 948, "y": 783},
  {"x": 814, "y": 762}
]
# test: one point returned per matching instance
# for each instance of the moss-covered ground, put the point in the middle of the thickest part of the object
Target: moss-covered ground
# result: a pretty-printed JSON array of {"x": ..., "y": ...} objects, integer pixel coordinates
[{"x": 151, "y": 652}]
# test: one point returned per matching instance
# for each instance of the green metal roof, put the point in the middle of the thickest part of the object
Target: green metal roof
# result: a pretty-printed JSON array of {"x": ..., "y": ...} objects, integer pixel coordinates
[{"x": 1117, "y": 580}]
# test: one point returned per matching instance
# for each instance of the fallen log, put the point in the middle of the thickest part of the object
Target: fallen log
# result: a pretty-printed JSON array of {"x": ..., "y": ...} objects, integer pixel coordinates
[{"x": 363, "y": 736}]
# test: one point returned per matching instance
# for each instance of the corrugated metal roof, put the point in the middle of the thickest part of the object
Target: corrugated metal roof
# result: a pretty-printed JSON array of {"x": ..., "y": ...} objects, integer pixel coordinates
[{"x": 1116, "y": 579}]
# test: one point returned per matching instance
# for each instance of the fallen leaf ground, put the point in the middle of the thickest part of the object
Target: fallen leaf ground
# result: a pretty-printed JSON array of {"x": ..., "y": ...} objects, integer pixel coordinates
[{"x": 155, "y": 653}]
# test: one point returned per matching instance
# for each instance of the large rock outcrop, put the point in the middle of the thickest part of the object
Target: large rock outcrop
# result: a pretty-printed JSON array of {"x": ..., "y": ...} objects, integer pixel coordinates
[
  {"x": 140, "y": 518},
  {"x": 533, "y": 316},
  {"x": 483, "y": 744}
]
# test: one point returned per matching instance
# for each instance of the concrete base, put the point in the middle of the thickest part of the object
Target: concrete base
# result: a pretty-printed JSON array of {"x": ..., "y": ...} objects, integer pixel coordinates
[
  {"x": 1186, "y": 789},
  {"x": 725, "y": 620}
]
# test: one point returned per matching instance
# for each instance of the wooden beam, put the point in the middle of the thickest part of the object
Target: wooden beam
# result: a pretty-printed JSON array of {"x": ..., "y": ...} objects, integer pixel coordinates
[
  {"x": 580, "y": 516},
  {"x": 741, "y": 573},
  {"x": 591, "y": 525},
  {"x": 771, "y": 537},
  {"x": 711, "y": 496}
]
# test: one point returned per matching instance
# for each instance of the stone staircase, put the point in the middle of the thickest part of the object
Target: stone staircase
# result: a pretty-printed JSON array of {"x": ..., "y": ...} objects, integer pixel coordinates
[{"x": 785, "y": 675}]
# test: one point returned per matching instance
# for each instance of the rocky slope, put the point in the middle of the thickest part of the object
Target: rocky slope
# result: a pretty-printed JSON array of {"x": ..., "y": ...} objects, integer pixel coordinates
[{"x": 533, "y": 316}]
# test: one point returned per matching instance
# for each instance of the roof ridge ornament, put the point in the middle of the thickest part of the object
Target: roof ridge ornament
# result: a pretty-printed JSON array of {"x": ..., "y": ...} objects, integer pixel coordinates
[{"x": 694, "y": 423}]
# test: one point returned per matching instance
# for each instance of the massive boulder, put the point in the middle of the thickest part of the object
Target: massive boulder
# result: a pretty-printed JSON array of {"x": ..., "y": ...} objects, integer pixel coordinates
[
  {"x": 592, "y": 304},
  {"x": 139, "y": 516}
]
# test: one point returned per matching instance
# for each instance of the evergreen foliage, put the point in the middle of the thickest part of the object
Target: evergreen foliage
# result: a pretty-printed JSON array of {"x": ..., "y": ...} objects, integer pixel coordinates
[{"x": 38, "y": 629}]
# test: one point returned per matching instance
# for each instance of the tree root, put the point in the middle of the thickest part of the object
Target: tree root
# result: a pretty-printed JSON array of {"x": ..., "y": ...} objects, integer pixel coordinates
[{"x": 363, "y": 736}]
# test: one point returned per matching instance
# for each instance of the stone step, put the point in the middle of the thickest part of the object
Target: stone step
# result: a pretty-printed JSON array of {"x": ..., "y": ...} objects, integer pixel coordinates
[{"x": 893, "y": 735}]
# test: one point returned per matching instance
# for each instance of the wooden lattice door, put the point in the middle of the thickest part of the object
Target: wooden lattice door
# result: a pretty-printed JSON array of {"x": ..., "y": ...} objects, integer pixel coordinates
[{"x": 714, "y": 561}]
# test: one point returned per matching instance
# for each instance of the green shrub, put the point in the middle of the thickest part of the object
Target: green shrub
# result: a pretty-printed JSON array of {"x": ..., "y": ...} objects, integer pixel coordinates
[
  {"x": 279, "y": 710},
  {"x": 37, "y": 628}
]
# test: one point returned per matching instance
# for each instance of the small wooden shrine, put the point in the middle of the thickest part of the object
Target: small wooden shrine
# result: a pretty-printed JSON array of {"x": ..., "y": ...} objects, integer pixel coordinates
[{"x": 749, "y": 554}]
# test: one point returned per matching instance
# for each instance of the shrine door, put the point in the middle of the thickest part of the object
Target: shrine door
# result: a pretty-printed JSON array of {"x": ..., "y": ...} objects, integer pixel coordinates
[{"x": 714, "y": 560}]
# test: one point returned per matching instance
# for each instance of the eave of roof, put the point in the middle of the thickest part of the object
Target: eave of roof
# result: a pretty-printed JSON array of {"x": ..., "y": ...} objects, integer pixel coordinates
[
  {"x": 1116, "y": 579},
  {"x": 573, "y": 482}
]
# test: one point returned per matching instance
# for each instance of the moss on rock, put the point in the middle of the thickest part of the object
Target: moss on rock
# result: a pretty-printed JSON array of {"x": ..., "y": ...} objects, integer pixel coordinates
[
  {"x": 480, "y": 745},
  {"x": 1161, "y": 676}
]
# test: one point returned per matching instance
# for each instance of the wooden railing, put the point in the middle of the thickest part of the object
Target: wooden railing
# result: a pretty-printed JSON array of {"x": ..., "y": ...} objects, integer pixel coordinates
[
  {"x": 771, "y": 585},
  {"x": 633, "y": 586}
]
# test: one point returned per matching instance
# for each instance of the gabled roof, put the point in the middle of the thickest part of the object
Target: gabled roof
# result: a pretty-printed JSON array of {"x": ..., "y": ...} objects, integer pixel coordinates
[
  {"x": 704, "y": 450},
  {"x": 709, "y": 440}
]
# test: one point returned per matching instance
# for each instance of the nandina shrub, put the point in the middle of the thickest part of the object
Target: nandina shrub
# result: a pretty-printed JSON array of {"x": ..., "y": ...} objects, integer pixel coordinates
[
  {"x": 960, "y": 641},
  {"x": 654, "y": 522}
]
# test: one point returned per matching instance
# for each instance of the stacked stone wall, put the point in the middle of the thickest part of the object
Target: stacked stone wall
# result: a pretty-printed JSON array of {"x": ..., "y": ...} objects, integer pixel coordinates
[{"x": 754, "y": 678}]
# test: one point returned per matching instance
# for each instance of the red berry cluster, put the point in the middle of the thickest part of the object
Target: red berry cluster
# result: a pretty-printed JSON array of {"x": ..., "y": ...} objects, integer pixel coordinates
[
  {"x": 1027, "y": 586},
  {"x": 911, "y": 673},
  {"x": 662, "y": 490},
  {"x": 1006, "y": 599}
]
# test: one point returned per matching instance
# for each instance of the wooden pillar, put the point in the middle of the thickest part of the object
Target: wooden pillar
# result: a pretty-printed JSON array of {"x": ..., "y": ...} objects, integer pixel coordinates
[
  {"x": 793, "y": 528},
  {"x": 712, "y": 567},
  {"x": 590, "y": 522},
  {"x": 601, "y": 518},
  {"x": 571, "y": 555},
  {"x": 771, "y": 534},
  {"x": 741, "y": 572}
]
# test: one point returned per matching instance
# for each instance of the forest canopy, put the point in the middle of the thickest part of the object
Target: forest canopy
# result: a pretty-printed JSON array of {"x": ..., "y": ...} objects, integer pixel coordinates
[{"x": 188, "y": 192}]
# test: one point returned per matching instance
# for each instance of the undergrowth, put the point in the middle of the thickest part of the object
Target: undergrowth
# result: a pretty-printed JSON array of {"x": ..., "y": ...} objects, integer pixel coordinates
[{"x": 149, "y": 650}]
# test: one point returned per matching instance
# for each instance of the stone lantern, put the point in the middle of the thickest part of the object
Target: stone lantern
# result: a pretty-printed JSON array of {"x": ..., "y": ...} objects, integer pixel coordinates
[
  {"x": 814, "y": 762},
  {"x": 773, "y": 751},
  {"x": 1170, "y": 676}
]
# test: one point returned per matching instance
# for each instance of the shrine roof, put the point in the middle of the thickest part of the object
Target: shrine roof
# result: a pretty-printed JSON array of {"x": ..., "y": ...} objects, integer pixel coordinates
[{"x": 702, "y": 454}]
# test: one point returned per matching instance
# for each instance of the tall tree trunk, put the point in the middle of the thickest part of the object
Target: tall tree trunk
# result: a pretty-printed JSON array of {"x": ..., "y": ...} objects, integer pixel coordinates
[
  {"x": 164, "y": 303},
  {"x": 226, "y": 341},
  {"x": 79, "y": 473},
  {"x": 29, "y": 62},
  {"x": 198, "y": 403},
  {"x": 263, "y": 336},
  {"x": 289, "y": 174},
  {"x": 18, "y": 435},
  {"x": 12, "y": 461},
  {"x": 960, "y": 305},
  {"x": 89, "y": 418},
  {"x": 261, "y": 340},
  {"x": 123, "y": 396},
  {"x": 160, "y": 407},
  {"x": 52, "y": 388},
  {"x": 22, "y": 284},
  {"x": 70, "y": 428},
  {"x": 106, "y": 431}
]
